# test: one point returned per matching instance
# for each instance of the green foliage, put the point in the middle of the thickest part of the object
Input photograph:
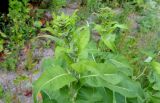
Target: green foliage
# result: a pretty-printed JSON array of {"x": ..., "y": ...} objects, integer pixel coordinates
[
  {"x": 61, "y": 25},
  {"x": 2, "y": 36},
  {"x": 154, "y": 88},
  {"x": 7, "y": 97},
  {"x": 20, "y": 79},
  {"x": 107, "y": 27},
  {"x": 84, "y": 73},
  {"x": 57, "y": 4},
  {"x": 150, "y": 20},
  {"x": 156, "y": 66},
  {"x": 93, "y": 5},
  {"x": 1, "y": 91},
  {"x": 16, "y": 32},
  {"x": 21, "y": 25},
  {"x": 101, "y": 59},
  {"x": 96, "y": 61},
  {"x": 10, "y": 61}
]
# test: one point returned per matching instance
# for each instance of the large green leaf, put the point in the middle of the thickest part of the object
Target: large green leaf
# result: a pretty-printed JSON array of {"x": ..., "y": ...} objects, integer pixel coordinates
[
  {"x": 46, "y": 98},
  {"x": 107, "y": 75},
  {"x": 52, "y": 80},
  {"x": 82, "y": 37},
  {"x": 62, "y": 95},
  {"x": 155, "y": 100},
  {"x": 109, "y": 41},
  {"x": 123, "y": 67},
  {"x": 83, "y": 54},
  {"x": 61, "y": 57},
  {"x": 153, "y": 97},
  {"x": 86, "y": 65},
  {"x": 154, "y": 79},
  {"x": 47, "y": 63},
  {"x": 156, "y": 67},
  {"x": 118, "y": 98},
  {"x": 125, "y": 87},
  {"x": 121, "y": 63},
  {"x": 94, "y": 95}
]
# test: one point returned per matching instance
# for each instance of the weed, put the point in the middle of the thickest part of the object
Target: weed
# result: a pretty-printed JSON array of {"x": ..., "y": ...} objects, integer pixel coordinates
[{"x": 79, "y": 67}]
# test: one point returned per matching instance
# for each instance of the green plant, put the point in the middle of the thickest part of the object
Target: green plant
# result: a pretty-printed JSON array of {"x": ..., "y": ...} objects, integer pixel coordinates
[
  {"x": 95, "y": 61},
  {"x": 2, "y": 35},
  {"x": 10, "y": 61},
  {"x": 62, "y": 25},
  {"x": 150, "y": 20},
  {"x": 17, "y": 31},
  {"x": 21, "y": 26},
  {"x": 153, "y": 89},
  {"x": 55, "y": 5},
  {"x": 82, "y": 71},
  {"x": 7, "y": 97},
  {"x": 1, "y": 91}
]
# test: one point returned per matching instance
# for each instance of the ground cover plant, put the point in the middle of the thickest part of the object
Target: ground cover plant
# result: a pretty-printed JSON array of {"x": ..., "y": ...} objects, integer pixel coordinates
[{"x": 105, "y": 51}]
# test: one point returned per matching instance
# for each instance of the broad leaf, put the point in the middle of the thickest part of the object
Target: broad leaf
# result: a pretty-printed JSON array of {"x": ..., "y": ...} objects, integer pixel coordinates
[
  {"x": 62, "y": 95},
  {"x": 156, "y": 67},
  {"x": 47, "y": 63},
  {"x": 109, "y": 41},
  {"x": 107, "y": 75},
  {"x": 121, "y": 63},
  {"x": 125, "y": 87},
  {"x": 52, "y": 79},
  {"x": 85, "y": 66},
  {"x": 83, "y": 37},
  {"x": 61, "y": 57},
  {"x": 93, "y": 95},
  {"x": 118, "y": 98},
  {"x": 154, "y": 79}
]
